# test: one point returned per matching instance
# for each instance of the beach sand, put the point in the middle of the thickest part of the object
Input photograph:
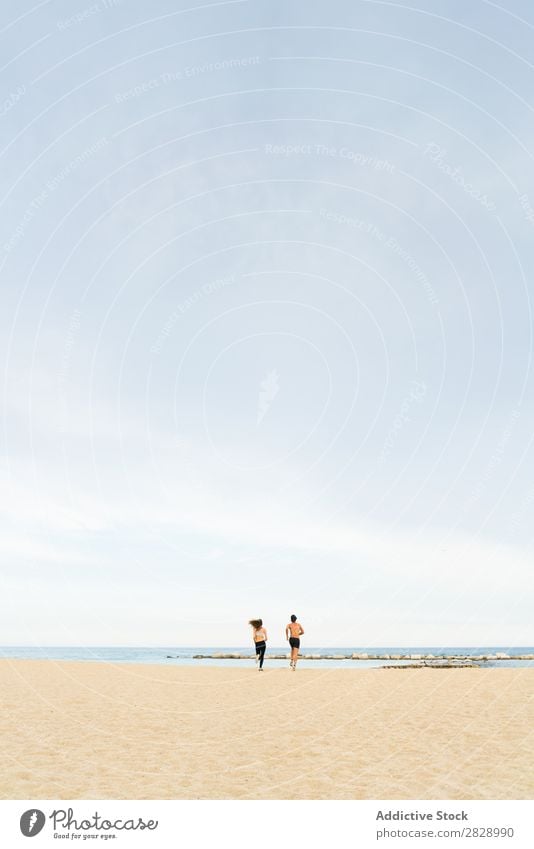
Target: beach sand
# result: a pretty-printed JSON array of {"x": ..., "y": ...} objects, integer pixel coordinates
[{"x": 95, "y": 731}]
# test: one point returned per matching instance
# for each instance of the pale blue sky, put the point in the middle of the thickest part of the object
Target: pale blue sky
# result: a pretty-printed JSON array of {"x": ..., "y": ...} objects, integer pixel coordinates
[{"x": 266, "y": 326}]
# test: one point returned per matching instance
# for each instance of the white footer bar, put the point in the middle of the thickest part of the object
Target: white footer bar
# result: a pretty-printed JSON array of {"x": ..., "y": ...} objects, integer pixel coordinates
[{"x": 267, "y": 825}]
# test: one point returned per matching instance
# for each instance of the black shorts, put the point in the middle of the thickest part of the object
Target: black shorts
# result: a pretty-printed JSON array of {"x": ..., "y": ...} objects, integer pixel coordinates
[{"x": 294, "y": 642}]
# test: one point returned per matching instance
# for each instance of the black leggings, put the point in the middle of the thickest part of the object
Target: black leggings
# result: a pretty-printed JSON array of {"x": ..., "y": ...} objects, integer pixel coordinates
[{"x": 260, "y": 651}]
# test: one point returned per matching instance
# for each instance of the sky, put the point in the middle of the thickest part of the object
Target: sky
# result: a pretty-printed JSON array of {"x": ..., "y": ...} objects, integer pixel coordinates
[{"x": 266, "y": 324}]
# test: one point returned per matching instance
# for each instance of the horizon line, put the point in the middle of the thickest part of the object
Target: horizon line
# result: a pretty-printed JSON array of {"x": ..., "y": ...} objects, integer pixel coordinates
[{"x": 211, "y": 646}]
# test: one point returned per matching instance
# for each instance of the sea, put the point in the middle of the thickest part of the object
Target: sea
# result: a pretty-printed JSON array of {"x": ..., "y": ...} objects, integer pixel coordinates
[{"x": 184, "y": 656}]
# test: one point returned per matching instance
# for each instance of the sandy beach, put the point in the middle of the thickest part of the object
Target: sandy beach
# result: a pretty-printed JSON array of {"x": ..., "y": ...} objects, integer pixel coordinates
[{"x": 75, "y": 730}]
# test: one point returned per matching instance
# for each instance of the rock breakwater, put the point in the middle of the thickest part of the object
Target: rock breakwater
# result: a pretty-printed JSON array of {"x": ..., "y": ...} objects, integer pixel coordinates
[{"x": 420, "y": 658}]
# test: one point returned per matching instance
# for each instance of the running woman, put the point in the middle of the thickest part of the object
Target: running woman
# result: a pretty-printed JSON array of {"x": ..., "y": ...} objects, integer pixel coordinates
[
  {"x": 293, "y": 631},
  {"x": 259, "y": 634}
]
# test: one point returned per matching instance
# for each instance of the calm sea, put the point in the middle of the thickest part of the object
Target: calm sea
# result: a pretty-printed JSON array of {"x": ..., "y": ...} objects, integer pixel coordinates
[{"x": 180, "y": 656}]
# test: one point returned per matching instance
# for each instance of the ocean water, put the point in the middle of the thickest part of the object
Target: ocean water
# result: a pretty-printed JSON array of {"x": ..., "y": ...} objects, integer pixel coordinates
[{"x": 183, "y": 656}]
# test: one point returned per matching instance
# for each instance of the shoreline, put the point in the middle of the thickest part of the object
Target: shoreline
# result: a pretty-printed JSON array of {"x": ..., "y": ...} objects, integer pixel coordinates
[
  {"x": 281, "y": 661},
  {"x": 335, "y": 656}
]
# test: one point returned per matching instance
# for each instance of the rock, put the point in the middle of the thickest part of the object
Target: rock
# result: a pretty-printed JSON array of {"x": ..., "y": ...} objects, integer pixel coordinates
[
  {"x": 416, "y": 657},
  {"x": 360, "y": 656},
  {"x": 395, "y": 656},
  {"x": 502, "y": 656}
]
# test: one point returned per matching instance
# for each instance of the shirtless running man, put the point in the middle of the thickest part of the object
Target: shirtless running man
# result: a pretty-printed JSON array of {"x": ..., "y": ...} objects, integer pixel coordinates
[{"x": 293, "y": 631}]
